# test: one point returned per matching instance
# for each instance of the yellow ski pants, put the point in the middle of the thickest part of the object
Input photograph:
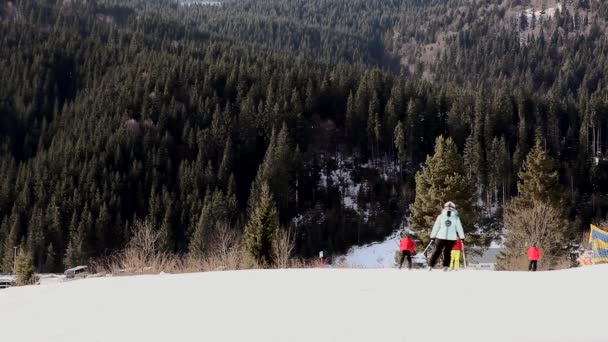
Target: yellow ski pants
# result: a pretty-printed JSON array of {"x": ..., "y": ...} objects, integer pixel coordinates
[{"x": 455, "y": 260}]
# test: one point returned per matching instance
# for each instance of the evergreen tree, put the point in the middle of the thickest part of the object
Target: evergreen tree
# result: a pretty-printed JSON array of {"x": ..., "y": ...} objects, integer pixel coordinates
[
  {"x": 399, "y": 140},
  {"x": 261, "y": 227},
  {"x": 539, "y": 179},
  {"x": 203, "y": 229},
  {"x": 50, "y": 261},
  {"x": 276, "y": 170},
  {"x": 75, "y": 254},
  {"x": 538, "y": 213},
  {"x": 225, "y": 168},
  {"x": 13, "y": 240},
  {"x": 218, "y": 210},
  {"x": 24, "y": 268},
  {"x": 443, "y": 179}
]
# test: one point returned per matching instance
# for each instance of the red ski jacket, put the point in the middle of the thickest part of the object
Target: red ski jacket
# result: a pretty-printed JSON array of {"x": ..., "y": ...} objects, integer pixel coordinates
[
  {"x": 533, "y": 253},
  {"x": 457, "y": 245},
  {"x": 407, "y": 244}
]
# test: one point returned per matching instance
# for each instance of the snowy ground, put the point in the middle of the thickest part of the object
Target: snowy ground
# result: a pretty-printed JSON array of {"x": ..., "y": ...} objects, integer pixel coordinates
[
  {"x": 314, "y": 305},
  {"x": 541, "y": 14},
  {"x": 382, "y": 254},
  {"x": 375, "y": 255}
]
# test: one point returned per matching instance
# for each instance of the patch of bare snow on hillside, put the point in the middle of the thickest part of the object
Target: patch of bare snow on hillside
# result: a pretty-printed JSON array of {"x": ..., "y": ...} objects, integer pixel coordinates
[
  {"x": 547, "y": 13},
  {"x": 374, "y": 255},
  {"x": 342, "y": 179}
]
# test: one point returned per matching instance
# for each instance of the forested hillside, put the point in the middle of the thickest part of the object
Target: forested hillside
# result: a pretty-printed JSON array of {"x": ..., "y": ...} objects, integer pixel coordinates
[{"x": 180, "y": 113}]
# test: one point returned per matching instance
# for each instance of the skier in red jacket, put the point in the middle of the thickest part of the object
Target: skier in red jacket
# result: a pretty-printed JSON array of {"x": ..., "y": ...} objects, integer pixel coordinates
[
  {"x": 407, "y": 246},
  {"x": 533, "y": 256},
  {"x": 455, "y": 259}
]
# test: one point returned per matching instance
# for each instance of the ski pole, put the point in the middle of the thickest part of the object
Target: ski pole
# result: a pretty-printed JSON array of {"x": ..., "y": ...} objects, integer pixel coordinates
[
  {"x": 464, "y": 257},
  {"x": 427, "y": 247}
]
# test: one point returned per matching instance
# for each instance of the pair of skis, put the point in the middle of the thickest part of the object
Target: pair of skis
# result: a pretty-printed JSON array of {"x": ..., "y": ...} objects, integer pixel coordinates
[{"x": 423, "y": 254}]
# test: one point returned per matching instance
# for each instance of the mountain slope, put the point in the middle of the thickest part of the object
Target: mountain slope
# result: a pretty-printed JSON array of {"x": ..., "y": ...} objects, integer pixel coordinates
[{"x": 313, "y": 305}]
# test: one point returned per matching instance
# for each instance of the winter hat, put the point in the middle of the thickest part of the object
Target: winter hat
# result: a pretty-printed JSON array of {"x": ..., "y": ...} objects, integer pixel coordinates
[{"x": 449, "y": 205}]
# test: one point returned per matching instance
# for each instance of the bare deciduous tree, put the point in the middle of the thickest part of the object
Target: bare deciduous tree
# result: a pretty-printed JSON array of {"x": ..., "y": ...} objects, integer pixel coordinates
[
  {"x": 283, "y": 246},
  {"x": 541, "y": 224},
  {"x": 226, "y": 253},
  {"x": 145, "y": 239}
]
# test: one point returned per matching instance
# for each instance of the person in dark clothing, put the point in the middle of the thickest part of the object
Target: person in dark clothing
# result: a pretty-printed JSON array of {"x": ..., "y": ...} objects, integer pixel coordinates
[
  {"x": 407, "y": 247},
  {"x": 442, "y": 247},
  {"x": 446, "y": 230}
]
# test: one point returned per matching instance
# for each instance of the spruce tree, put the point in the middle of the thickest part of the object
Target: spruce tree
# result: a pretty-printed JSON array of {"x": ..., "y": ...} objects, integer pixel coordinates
[
  {"x": 399, "y": 140},
  {"x": 225, "y": 168},
  {"x": 203, "y": 229},
  {"x": 263, "y": 223},
  {"x": 443, "y": 179},
  {"x": 276, "y": 169},
  {"x": 49, "y": 263},
  {"x": 24, "y": 267},
  {"x": 75, "y": 251},
  {"x": 525, "y": 217},
  {"x": 13, "y": 239},
  {"x": 539, "y": 179}
]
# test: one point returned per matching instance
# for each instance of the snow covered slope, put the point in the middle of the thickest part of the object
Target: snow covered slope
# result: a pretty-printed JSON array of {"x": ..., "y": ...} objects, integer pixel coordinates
[
  {"x": 377, "y": 254},
  {"x": 374, "y": 255},
  {"x": 314, "y": 305}
]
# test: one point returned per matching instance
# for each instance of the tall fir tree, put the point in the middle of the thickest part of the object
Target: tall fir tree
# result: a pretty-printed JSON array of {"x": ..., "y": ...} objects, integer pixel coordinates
[
  {"x": 539, "y": 179},
  {"x": 261, "y": 227},
  {"x": 75, "y": 253},
  {"x": 399, "y": 141},
  {"x": 24, "y": 267},
  {"x": 525, "y": 217},
  {"x": 443, "y": 179}
]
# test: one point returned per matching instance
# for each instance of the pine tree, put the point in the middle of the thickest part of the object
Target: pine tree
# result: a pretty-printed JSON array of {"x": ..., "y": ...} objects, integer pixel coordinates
[
  {"x": 35, "y": 238},
  {"x": 225, "y": 168},
  {"x": 75, "y": 251},
  {"x": 218, "y": 210},
  {"x": 13, "y": 239},
  {"x": 276, "y": 170},
  {"x": 443, "y": 179},
  {"x": 494, "y": 172},
  {"x": 24, "y": 268},
  {"x": 538, "y": 213},
  {"x": 504, "y": 166},
  {"x": 263, "y": 223},
  {"x": 203, "y": 230},
  {"x": 351, "y": 122},
  {"x": 471, "y": 158},
  {"x": 102, "y": 228},
  {"x": 3, "y": 232},
  {"x": 49, "y": 263},
  {"x": 539, "y": 179},
  {"x": 399, "y": 140}
]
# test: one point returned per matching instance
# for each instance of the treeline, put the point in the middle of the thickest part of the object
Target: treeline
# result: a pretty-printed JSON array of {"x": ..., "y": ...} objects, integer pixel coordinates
[{"x": 113, "y": 112}]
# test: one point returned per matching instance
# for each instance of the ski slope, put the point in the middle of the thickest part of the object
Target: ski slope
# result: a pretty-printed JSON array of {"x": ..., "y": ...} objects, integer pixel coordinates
[{"x": 314, "y": 305}]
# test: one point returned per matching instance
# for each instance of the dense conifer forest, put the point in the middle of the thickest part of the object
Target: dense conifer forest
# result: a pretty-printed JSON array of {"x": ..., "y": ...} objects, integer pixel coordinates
[{"x": 189, "y": 115}]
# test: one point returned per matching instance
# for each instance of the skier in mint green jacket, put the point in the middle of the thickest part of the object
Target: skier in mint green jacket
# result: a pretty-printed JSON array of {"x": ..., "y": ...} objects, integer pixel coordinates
[{"x": 446, "y": 231}]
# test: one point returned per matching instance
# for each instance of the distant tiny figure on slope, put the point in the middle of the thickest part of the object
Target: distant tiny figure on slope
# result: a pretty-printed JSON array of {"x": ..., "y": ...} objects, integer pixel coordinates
[
  {"x": 407, "y": 246},
  {"x": 533, "y": 256},
  {"x": 446, "y": 230},
  {"x": 455, "y": 255}
]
